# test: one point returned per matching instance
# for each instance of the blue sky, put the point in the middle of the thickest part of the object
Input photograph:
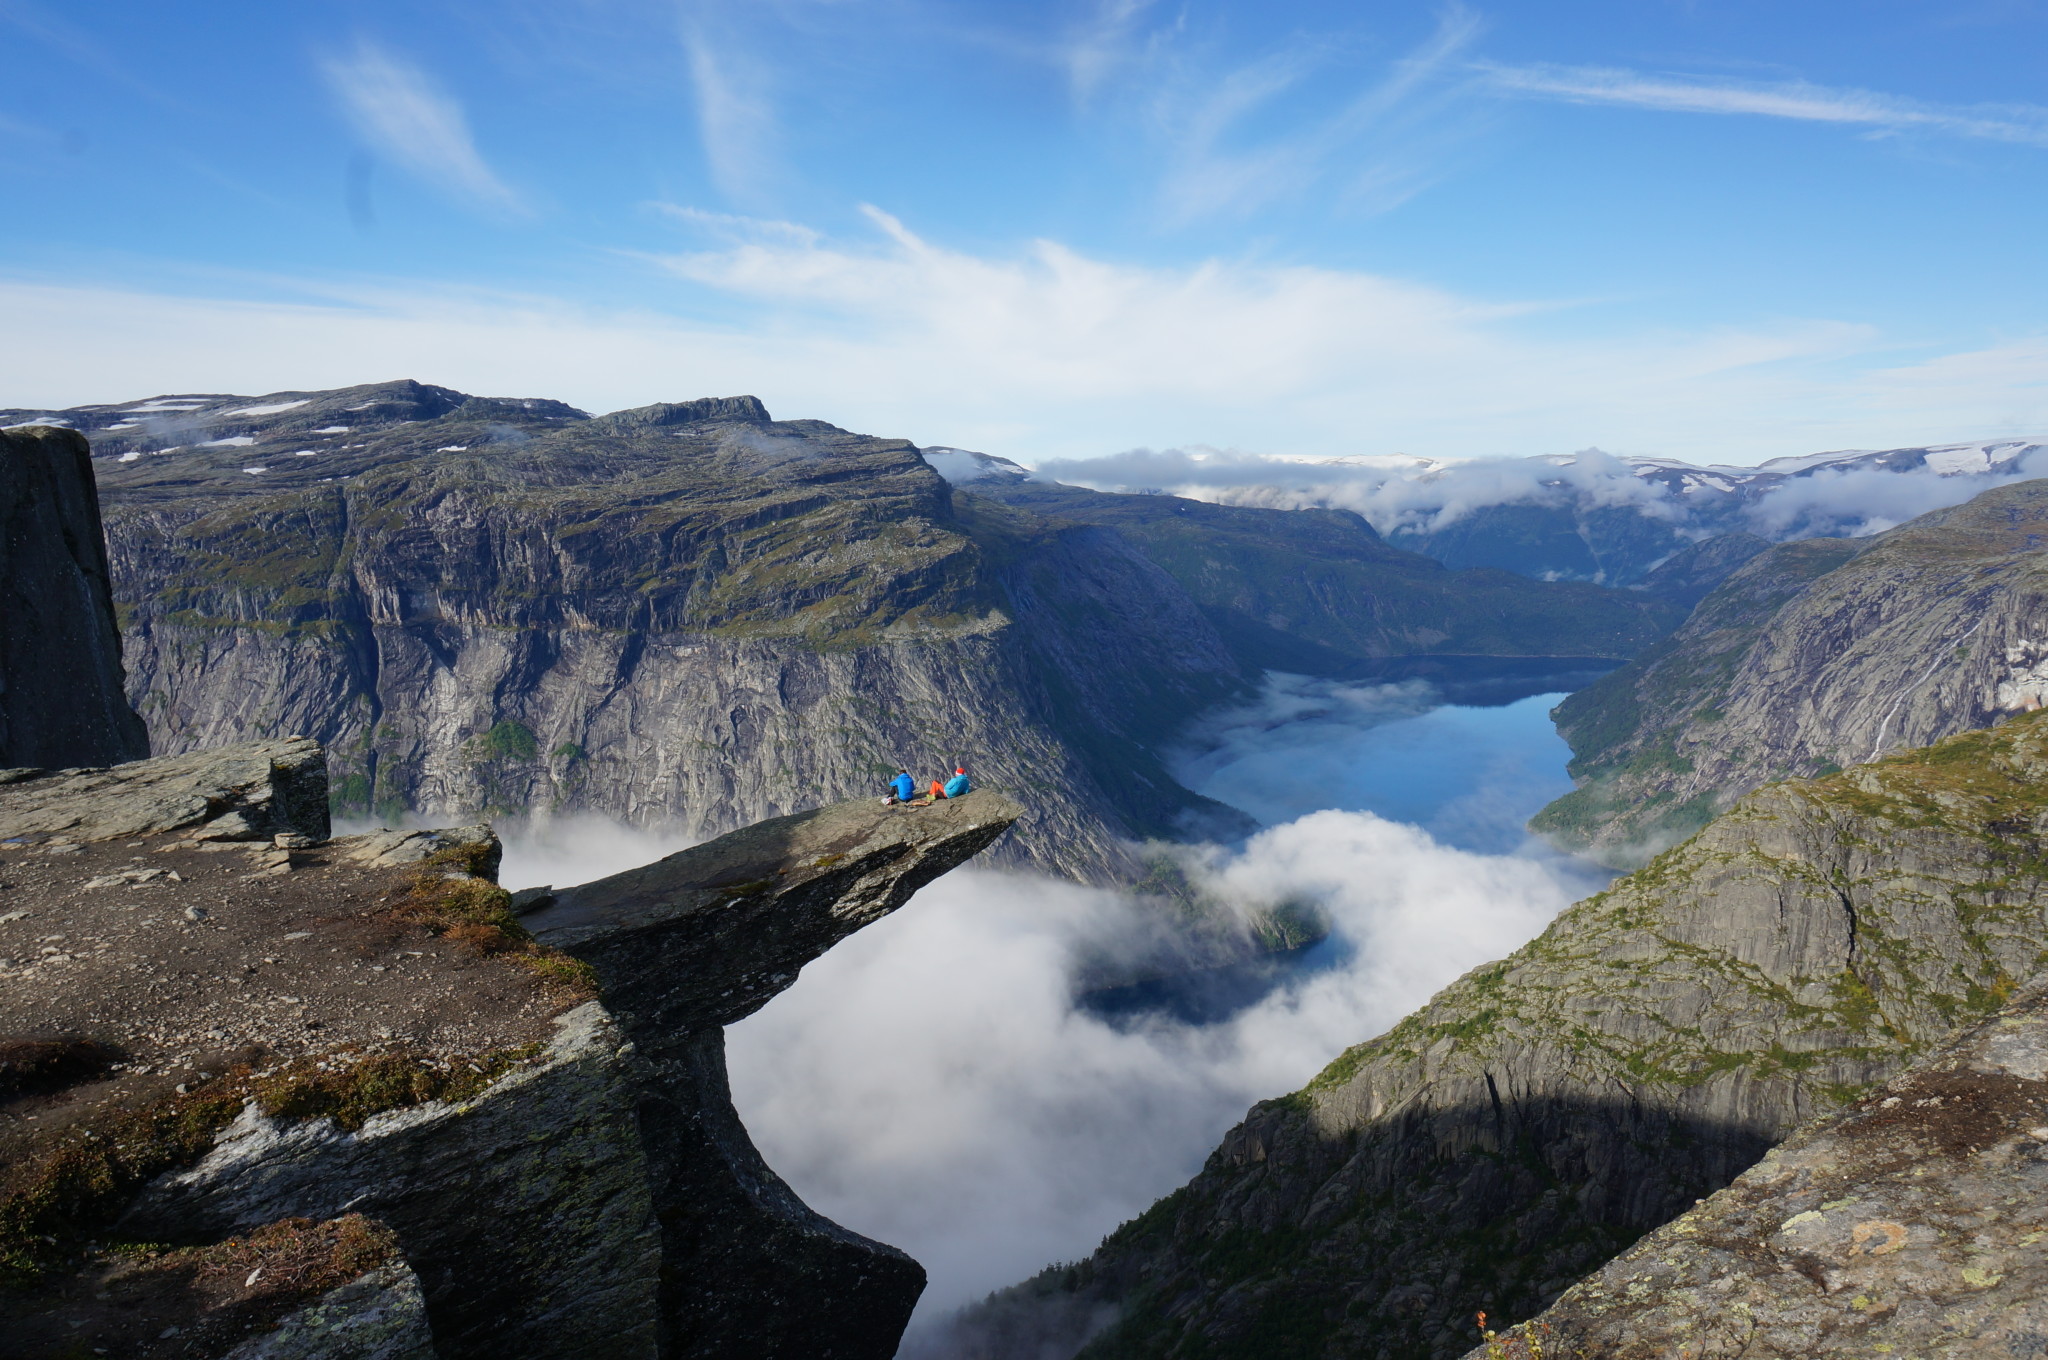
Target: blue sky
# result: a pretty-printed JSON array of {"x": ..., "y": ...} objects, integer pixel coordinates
[{"x": 1717, "y": 231}]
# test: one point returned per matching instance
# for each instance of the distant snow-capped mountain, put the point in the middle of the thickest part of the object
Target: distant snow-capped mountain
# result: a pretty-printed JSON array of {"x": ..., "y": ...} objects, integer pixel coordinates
[{"x": 1587, "y": 516}]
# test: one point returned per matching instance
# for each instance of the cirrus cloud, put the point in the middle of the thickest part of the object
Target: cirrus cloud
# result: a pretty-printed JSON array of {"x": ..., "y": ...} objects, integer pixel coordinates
[{"x": 401, "y": 112}]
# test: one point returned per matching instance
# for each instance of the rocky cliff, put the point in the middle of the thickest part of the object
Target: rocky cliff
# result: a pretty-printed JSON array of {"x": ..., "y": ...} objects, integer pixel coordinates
[
  {"x": 694, "y": 614},
  {"x": 1319, "y": 591},
  {"x": 62, "y": 700},
  {"x": 1542, "y": 1112},
  {"x": 1908, "y": 1224},
  {"x": 684, "y": 614},
  {"x": 1810, "y": 657},
  {"x": 333, "y": 1098}
]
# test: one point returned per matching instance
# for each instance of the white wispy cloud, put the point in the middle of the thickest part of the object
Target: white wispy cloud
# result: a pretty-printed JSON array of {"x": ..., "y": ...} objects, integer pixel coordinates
[
  {"x": 1381, "y": 140},
  {"x": 735, "y": 227},
  {"x": 1049, "y": 352},
  {"x": 2026, "y": 124},
  {"x": 1097, "y": 47},
  {"x": 399, "y": 110},
  {"x": 736, "y": 122}
]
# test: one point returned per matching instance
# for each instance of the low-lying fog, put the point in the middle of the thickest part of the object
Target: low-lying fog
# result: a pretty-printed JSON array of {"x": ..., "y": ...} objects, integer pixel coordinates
[{"x": 932, "y": 1082}]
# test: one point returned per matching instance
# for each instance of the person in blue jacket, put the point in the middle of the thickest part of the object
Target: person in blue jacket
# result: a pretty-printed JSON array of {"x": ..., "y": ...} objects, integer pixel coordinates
[
  {"x": 902, "y": 788},
  {"x": 958, "y": 784}
]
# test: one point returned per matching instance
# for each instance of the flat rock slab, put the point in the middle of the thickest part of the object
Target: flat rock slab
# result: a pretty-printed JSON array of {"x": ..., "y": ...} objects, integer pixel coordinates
[
  {"x": 185, "y": 957},
  {"x": 253, "y": 791}
]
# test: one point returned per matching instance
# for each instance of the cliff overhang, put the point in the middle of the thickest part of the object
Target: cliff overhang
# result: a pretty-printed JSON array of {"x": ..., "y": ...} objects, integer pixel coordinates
[{"x": 516, "y": 1133}]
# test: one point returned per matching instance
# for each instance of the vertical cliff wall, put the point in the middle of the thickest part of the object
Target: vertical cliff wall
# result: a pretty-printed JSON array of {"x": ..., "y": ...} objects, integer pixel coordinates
[
  {"x": 62, "y": 700},
  {"x": 686, "y": 614},
  {"x": 1811, "y": 657}
]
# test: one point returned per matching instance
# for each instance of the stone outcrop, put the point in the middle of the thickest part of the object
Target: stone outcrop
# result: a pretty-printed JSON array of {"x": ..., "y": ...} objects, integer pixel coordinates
[
  {"x": 1811, "y": 657},
  {"x": 62, "y": 698},
  {"x": 379, "y": 1315},
  {"x": 536, "y": 1113},
  {"x": 1909, "y": 1224},
  {"x": 684, "y": 947},
  {"x": 1543, "y": 1111},
  {"x": 691, "y": 614},
  {"x": 255, "y": 791}
]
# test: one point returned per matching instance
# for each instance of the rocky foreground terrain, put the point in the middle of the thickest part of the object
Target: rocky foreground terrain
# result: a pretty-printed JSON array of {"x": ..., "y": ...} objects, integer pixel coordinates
[
  {"x": 694, "y": 614},
  {"x": 264, "y": 1093},
  {"x": 1544, "y": 1111},
  {"x": 1812, "y": 656}
]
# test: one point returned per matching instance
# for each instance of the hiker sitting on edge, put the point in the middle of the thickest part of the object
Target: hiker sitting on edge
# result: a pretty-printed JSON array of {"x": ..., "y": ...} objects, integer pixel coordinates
[
  {"x": 958, "y": 784},
  {"x": 902, "y": 788}
]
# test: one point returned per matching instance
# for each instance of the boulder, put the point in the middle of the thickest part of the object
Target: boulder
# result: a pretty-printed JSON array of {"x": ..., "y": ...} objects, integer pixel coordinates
[{"x": 255, "y": 791}]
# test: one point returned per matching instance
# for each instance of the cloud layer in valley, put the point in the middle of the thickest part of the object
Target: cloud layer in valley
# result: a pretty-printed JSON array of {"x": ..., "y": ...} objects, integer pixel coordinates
[
  {"x": 934, "y": 1082},
  {"x": 931, "y": 1082}
]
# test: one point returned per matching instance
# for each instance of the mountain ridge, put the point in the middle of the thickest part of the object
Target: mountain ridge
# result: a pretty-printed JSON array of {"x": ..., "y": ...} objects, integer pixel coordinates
[{"x": 1816, "y": 654}]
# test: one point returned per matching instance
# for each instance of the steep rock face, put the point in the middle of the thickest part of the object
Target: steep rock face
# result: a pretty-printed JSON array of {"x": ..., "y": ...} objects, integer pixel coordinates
[
  {"x": 61, "y": 687},
  {"x": 1906, "y": 1225},
  {"x": 1543, "y": 1111},
  {"x": 684, "y": 614},
  {"x": 563, "y": 1177},
  {"x": 1813, "y": 656},
  {"x": 693, "y": 614},
  {"x": 1690, "y": 575},
  {"x": 1319, "y": 591}
]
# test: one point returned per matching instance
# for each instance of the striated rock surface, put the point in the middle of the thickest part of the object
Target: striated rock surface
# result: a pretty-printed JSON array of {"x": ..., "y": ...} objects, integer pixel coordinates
[
  {"x": 209, "y": 1046},
  {"x": 255, "y": 791},
  {"x": 1909, "y": 1224},
  {"x": 692, "y": 614},
  {"x": 1812, "y": 657},
  {"x": 1542, "y": 1112},
  {"x": 1319, "y": 591},
  {"x": 62, "y": 700},
  {"x": 687, "y": 614},
  {"x": 377, "y": 1316}
]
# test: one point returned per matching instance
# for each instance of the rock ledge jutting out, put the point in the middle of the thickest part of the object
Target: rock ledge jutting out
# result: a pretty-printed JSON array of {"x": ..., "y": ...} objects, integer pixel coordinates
[{"x": 494, "y": 1136}]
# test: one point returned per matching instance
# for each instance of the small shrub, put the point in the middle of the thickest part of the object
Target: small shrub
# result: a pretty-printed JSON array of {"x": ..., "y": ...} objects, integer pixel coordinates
[
  {"x": 477, "y": 913},
  {"x": 349, "y": 1090},
  {"x": 84, "y": 1182},
  {"x": 505, "y": 741}
]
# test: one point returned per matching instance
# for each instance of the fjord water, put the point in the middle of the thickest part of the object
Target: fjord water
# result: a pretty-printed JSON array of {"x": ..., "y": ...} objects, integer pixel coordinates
[
  {"x": 1469, "y": 775},
  {"x": 935, "y": 1082}
]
